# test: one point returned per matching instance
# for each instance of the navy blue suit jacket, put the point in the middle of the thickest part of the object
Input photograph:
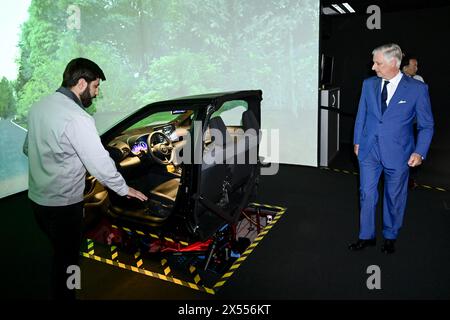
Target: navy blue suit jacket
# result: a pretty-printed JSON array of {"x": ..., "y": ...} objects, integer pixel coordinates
[{"x": 394, "y": 128}]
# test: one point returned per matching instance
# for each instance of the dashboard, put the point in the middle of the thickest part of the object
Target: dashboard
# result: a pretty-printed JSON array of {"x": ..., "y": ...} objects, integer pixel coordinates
[
  {"x": 139, "y": 144},
  {"x": 132, "y": 146}
]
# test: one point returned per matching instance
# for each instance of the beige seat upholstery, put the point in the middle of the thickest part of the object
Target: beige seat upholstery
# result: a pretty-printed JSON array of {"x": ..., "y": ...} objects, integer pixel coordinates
[
  {"x": 167, "y": 190},
  {"x": 155, "y": 211}
]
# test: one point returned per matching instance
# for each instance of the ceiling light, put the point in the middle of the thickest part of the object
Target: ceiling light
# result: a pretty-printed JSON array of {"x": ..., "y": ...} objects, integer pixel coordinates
[
  {"x": 338, "y": 8},
  {"x": 348, "y": 7}
]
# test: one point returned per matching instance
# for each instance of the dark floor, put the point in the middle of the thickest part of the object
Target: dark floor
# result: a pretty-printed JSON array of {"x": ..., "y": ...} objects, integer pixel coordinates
[{"x": 304, "y": 256}]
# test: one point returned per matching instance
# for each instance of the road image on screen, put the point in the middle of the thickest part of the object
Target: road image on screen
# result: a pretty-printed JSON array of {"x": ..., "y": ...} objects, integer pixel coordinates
[{"x": 161, "y": 49}]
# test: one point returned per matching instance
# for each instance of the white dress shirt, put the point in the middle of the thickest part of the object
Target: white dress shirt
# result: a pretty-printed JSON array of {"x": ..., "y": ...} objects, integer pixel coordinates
[
  {"x": 391, "y": 86},
  {"x": 417, "y": 77}
]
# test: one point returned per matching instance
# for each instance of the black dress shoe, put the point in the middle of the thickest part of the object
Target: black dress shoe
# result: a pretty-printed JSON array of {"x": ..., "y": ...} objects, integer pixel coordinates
[
  {"x": 388, "y": 246},
  {"x": 361, "y": 244}
]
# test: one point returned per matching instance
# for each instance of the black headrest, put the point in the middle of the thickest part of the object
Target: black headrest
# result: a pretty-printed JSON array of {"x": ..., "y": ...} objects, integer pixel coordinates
[
  {"x": 249, "y": 121},
  {"x": 218, "y": 124}
]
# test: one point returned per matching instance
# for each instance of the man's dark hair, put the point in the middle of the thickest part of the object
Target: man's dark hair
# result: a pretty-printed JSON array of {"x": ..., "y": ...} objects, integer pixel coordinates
[
  {"x": 81, "y": 68},
  {"x": 405, "y": 60}
]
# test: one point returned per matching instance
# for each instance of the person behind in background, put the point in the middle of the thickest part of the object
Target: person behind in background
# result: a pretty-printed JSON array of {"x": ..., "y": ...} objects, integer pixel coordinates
[
  {"x": 410, "y": 67},
  {"x": 61, "y": 144}
]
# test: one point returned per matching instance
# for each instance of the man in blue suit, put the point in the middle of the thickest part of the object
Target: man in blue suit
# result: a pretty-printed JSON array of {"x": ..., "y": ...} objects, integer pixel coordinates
[{"x": 384, "y": 143}]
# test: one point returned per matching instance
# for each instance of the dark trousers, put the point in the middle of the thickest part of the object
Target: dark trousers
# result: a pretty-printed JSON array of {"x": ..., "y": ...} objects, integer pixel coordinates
[
  {"x": 63, "y": 227},
  {"x": 395, "y": 195}
]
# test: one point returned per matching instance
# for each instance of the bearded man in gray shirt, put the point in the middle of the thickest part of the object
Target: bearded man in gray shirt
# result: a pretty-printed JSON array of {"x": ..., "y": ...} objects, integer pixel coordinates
[{"x": 61, "y": 144}]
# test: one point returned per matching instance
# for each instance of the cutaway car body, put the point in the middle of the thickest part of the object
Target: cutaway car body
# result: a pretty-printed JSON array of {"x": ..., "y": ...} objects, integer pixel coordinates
[{"x": 196, "y": 158}]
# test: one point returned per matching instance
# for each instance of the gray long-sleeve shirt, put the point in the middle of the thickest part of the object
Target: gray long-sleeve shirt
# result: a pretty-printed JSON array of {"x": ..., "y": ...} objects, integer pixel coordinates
[{"x": 62, "y": 143}]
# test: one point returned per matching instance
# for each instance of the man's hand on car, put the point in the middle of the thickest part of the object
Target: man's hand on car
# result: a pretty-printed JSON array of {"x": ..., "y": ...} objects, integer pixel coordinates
[{"x": 133, "y": 193}]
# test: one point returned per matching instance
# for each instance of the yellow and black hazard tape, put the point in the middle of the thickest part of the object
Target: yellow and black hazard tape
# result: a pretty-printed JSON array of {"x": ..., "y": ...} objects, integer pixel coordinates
[
  {"x": 149, "y": 273},
  {"x": 356, "y": 173},
  {"x": 251, "y": 247},
  {"x": 114, "y": 253},
  {"x": 433, "y": 188},
  {"x": 166, "y": 267},
  {"x": 90, "y": 246},
  {"x": 267, "y": 206},
  {"x": 138, "y": 259},
  {"x": 152, "y": 235},
  {"x": 194, "y": 273},
  {"x": 166, "y": 276},
  {"x": 340, "y": 171}
]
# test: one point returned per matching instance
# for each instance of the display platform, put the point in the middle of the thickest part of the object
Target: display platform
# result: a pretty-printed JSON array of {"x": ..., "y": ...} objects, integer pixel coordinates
[{"x": 203, "y": 266}]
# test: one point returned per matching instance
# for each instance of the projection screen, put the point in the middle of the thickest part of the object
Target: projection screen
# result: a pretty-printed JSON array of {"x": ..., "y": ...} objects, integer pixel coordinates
[{"x": 158, "y": 49}]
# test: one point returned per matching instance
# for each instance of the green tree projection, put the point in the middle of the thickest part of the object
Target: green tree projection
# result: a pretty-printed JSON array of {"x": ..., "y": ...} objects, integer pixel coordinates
[
  {"x": 7, "y": 101},
  {"x": 179, "y": 74},
  {"x": 159, "y": 49},
  {"x": 40, "y": 37}
]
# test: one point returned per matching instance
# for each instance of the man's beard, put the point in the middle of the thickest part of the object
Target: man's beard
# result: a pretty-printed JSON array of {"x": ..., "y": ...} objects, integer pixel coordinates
[{"x": 86, "y": 98}]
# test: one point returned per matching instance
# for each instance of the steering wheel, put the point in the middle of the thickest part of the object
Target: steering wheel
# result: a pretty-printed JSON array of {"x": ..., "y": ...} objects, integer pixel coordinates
[{"x": 161, "y": 152}]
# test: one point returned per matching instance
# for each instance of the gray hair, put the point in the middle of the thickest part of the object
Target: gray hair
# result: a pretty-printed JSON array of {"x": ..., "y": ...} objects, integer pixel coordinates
[{"x": 389, "y": 51}]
